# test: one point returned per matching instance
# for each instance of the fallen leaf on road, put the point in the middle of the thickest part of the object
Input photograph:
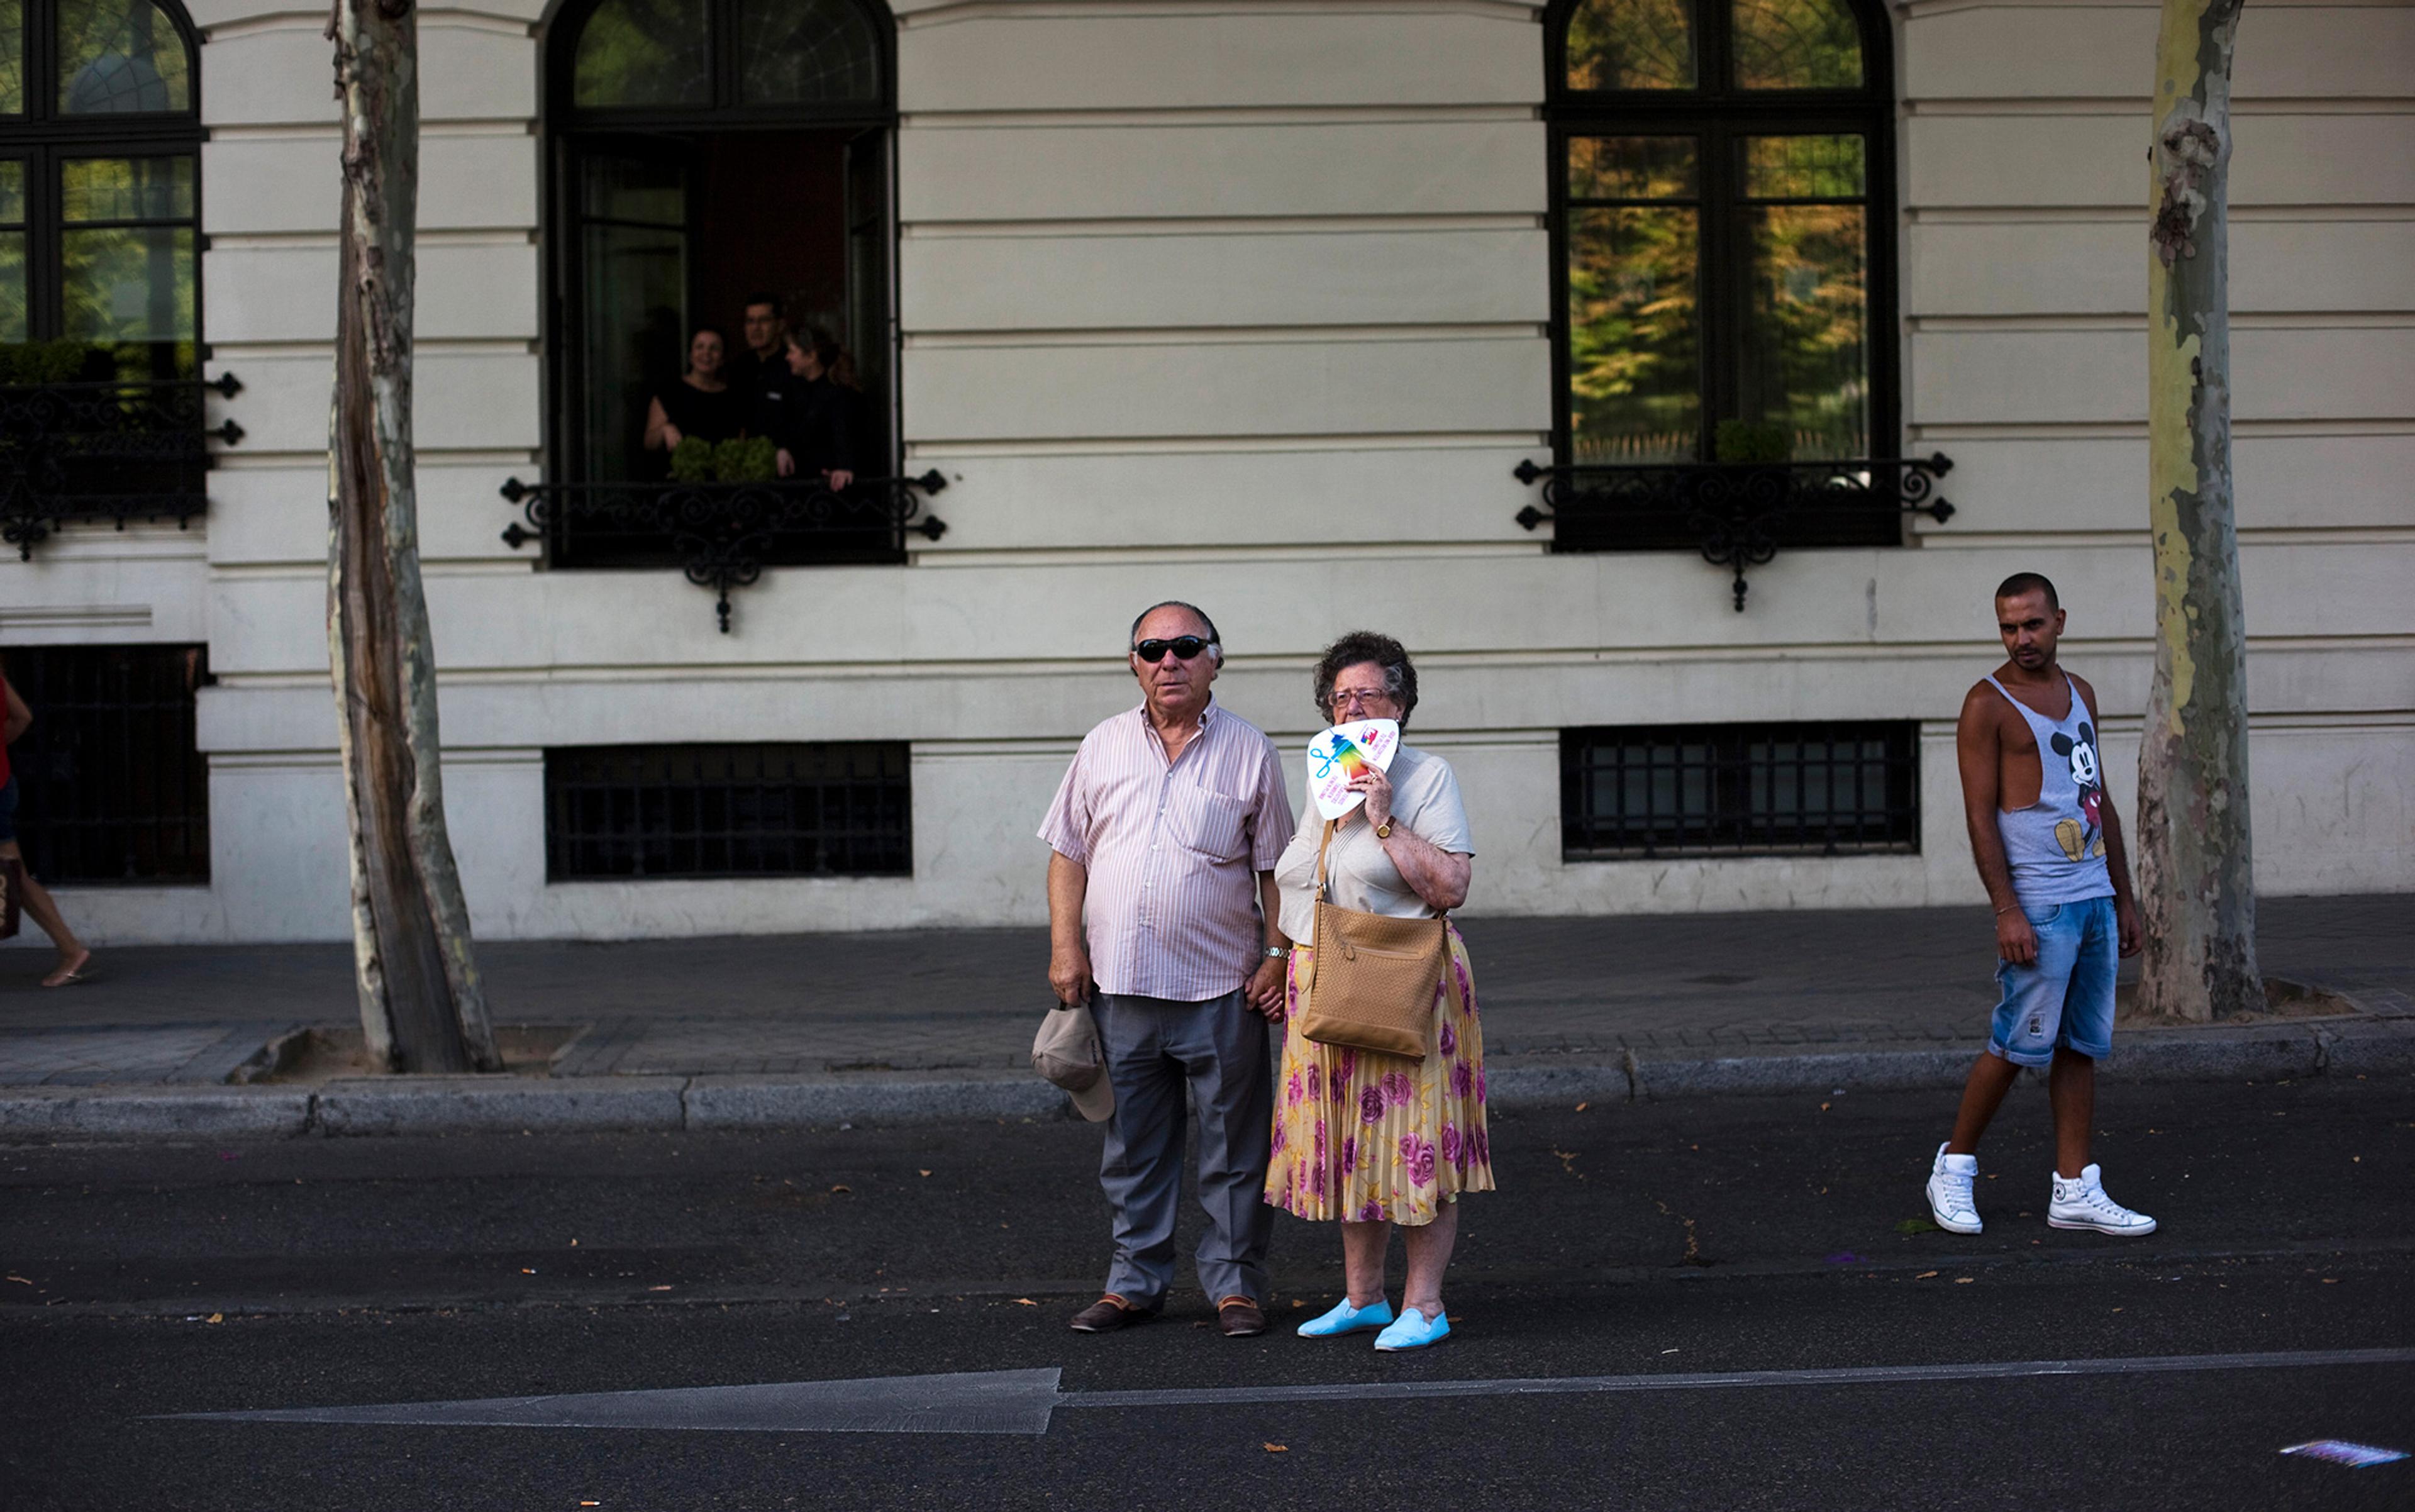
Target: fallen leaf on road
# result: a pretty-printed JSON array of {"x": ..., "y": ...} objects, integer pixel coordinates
[
  {"x": 1277, "y": 1448},
  {"x": 657, "y": 1288},
  {"x": 842, "y": 1187},
  {"x": 1917, "y": 1225},
  {"x": 1583, "y": 1107},
  {"x": 920, "y": 1171},
  {"x": 1025, "y": 1302},
  {"x": 19, "y": 1280},
  {"x": 525, "y": 1271},
  {"x": 1823, "y": 1107},
  {"x": 1297, "y": 1303},
  {"x": 1965, "y": 1280},
  {"x": 214, "y": 1317},
  {"x": 1924, "y": 1275}
]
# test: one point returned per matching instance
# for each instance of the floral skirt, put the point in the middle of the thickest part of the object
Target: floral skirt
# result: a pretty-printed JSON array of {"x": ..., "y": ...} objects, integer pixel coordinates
[{"x": 1376, "y": 1138}]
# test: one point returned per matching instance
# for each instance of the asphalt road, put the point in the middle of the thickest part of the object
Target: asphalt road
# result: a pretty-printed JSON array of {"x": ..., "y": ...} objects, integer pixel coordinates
[{"x": 1652, "y": 1240}]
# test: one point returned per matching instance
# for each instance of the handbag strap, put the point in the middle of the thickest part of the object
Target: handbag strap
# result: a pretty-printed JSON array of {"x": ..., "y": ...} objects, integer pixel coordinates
[{"x": 1331, "y": 825}]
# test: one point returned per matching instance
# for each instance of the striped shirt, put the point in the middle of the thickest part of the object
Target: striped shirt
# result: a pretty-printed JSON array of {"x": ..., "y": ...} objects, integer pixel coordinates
[{"x": 1173, "y": 849}]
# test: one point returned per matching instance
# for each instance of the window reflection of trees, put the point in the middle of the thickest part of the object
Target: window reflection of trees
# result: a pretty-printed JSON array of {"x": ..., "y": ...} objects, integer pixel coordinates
[
  {"x": 1716, "y": 211},
  {"x": 99, "y": 209}
]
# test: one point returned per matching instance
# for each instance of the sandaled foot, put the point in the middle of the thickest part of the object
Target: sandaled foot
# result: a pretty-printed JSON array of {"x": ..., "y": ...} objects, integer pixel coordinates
[{"x": 71, "y": 973}]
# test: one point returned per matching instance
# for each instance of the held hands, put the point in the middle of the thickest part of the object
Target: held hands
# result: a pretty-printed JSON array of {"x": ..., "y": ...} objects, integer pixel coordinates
[
  {"x": 1378, "y": 788},
  {"x": 2016, "y": 941},
  {"x": 1069, "y": 972},
  {"x": 1265, "y": 990}
]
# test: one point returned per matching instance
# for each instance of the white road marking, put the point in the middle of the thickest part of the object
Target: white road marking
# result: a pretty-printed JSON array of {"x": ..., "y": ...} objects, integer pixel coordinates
[{"x": 1021, "y": 1401}]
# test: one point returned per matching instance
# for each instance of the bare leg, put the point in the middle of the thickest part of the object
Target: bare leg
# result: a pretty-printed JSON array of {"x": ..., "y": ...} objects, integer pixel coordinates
[
  {"x": 72, "y": 954},
  {"x": 1991, "y": 1077},
  {"x": 1363, "y": 1261},
  {"x": 1429, "y": 1255},
  {"x": 2071, "y": 1092}
]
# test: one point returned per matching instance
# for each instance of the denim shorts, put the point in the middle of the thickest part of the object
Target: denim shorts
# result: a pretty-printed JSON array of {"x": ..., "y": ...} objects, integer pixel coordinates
[
  {"x": 8, "y": 808},
  {"x": 2064, "y": 997}
]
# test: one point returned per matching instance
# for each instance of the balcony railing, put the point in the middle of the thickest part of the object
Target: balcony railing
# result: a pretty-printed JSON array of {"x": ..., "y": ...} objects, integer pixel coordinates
[
  {"x": 77, "y": 453},
  {"x": 722, "y": 535},
  {"x": 1737, "y": 515}
]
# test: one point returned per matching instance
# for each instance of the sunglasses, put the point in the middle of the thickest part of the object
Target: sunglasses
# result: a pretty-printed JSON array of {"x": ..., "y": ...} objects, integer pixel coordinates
[{"x": 1183, "y": 647}]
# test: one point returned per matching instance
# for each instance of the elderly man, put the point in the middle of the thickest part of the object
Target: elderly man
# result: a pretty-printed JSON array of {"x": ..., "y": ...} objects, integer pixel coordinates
[{"x": 1162, "y": 902}]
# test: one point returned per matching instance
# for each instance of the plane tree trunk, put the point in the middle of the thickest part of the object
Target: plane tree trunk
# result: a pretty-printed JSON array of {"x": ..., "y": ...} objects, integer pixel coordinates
[
  {"x": 2195, "y": 864},
  {"x": 422, "y": 1007}
]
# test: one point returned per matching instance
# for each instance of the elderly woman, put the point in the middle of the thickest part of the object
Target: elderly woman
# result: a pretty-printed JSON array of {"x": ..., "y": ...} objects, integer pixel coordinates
[{"x": 1370, "y": 1139}]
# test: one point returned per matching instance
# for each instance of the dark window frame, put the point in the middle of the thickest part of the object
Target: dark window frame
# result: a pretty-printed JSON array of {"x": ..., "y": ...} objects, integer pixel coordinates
[
  {"x": 68, "y": 814},
  {"x": 570, "y": 129},
  {"x": 1719, "y": 114},
  {"x": 1729, "y": 825},
  {"x": 602, "y": 827},
  {"x": 44, "y": 136}
]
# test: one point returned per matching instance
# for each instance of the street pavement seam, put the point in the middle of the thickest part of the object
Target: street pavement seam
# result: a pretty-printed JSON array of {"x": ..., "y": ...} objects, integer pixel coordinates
[{"x": 2365, "y": 1046}]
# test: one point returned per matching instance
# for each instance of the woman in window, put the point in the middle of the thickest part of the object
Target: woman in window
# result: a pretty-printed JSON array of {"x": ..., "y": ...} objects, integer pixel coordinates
[
  {"x": 816, "y": 418},
  {"x": 701, "y": 404},
  {"x": 1370, "y": 1139}
]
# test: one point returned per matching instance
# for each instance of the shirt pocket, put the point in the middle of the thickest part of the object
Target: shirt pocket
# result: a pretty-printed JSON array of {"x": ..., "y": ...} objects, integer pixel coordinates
[{"x": 1208, "y": 822}]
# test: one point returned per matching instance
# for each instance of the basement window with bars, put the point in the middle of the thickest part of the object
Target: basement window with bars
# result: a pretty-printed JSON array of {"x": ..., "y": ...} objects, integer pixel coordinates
[
  {"x": 1818, "y": 787},
  {"x": 111, "y": 785},
  {"x": 796, "y": 809}
]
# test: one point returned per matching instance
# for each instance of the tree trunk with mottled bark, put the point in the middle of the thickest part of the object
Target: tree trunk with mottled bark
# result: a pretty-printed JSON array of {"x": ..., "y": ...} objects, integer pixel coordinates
[
  {"x": 2196, "y": 864},
  {"x": 422, "y": 1007}
]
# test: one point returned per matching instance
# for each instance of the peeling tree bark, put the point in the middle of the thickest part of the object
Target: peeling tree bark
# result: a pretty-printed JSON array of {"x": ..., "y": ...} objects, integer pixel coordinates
[
  {"x": 422, "y": 1007},
  {"x": 2196, "y": 864}
]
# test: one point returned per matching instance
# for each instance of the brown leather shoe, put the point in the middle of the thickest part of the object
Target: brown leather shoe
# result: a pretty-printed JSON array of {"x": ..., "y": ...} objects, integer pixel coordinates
[
  {"x": 1241, "y": 1318},
  {"x": 1108, "y": 1315}
]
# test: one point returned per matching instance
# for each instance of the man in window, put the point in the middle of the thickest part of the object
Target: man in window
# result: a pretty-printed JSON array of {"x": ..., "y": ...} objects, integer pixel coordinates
[
  {"x": 766, "y": 357},
  {"x": 2049, "y": 850},
  {"x": 1162, "y": 904}
]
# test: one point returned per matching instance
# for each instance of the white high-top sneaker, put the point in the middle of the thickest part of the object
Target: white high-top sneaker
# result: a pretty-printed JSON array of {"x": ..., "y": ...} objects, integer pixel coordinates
[
  {"x": 2082, "y": 1205},
  {"x": 1949, "y": 1192}
]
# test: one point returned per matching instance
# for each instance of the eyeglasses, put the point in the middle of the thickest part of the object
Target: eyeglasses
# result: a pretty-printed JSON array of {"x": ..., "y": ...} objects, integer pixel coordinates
[
  {"x": 1183, "y": 647},
  {"x": 1353, "y": 699}
]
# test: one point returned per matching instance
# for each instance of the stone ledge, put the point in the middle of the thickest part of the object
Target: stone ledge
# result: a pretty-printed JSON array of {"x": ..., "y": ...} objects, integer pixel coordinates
[
  {"x": 497, "y": 1104},
  {"x": 154, "y": 1112}
]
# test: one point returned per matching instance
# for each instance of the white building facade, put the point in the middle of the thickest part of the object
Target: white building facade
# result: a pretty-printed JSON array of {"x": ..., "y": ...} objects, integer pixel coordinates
[{"x": 1260, "y": 305}]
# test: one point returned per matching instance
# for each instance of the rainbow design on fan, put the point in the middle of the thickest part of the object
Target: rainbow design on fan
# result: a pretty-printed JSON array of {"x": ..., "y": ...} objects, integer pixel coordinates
[{"x": 1344, "y": 755}]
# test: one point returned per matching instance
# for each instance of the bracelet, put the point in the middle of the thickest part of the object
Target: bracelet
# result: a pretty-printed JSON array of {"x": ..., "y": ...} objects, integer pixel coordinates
[{"x": 2005, "y": 910}]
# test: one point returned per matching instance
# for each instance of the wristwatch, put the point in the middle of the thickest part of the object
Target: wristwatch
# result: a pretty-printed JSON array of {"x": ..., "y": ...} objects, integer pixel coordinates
[
  {"x": 1276, "y": 953},
  {"x": 1383, "y": 831}
]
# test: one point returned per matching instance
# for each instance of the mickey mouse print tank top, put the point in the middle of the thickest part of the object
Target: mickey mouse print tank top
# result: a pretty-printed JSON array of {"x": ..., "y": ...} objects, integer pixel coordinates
[{"x": 2056, "y": 845}]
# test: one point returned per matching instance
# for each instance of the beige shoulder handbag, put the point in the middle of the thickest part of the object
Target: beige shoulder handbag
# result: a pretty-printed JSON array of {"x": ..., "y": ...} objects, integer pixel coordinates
[{"x": 1371, "y": 982}]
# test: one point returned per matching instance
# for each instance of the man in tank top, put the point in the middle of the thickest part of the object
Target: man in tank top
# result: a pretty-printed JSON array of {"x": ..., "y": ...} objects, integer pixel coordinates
[{"x": 2050, "y": 855}]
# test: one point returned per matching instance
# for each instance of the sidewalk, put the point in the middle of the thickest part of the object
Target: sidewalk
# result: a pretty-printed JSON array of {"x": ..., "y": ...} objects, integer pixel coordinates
[{"x": 808, "y": 1027}]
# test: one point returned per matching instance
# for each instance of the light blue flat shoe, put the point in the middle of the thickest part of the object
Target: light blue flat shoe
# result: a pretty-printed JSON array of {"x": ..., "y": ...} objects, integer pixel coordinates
[
  {"x": 1413, "y": 1330},
  {"x": 1345, "y": 1319}
]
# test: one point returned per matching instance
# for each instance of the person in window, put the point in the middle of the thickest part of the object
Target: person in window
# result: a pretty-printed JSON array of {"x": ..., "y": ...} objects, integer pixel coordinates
[
  {"x": 701, "y": 404},
  {"x": 764, "y": 360},
  {"x": 815, "y": 417},
  {"x": 75, "y": 958}
]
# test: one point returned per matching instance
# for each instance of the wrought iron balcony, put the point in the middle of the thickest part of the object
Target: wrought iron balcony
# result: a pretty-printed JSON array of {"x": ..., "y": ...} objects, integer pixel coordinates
[
  {"x": 75, "y": 452},
  {"x": 722, "y": 535},
  {"x": 1737, "y": 515}
]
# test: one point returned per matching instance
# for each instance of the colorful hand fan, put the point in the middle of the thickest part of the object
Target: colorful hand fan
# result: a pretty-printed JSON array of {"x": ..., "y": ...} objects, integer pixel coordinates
[{"x": 1343, "y": 753}]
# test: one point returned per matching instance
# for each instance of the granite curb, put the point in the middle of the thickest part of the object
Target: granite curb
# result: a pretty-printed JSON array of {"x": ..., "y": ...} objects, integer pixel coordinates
[{"x": 487, "y": 1106}]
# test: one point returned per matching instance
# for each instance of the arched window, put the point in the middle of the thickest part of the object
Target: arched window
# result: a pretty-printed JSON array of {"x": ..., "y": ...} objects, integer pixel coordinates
[
  {"x": 708, "y": 152},
  {"x": 1724, "y": 210},
  {"x": 100, "y": 196}
]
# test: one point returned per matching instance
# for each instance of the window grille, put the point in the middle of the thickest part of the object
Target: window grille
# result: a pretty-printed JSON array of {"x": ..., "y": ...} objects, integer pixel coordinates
[
  {"x": 111, "y": 785},
  {"x": 825, "y": 808},
  {"x": 1829, "y": 788}
]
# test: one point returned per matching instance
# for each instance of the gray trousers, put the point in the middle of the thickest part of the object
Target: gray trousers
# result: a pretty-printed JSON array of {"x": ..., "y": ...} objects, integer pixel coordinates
[{"x": 1155, "y": 1047}]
